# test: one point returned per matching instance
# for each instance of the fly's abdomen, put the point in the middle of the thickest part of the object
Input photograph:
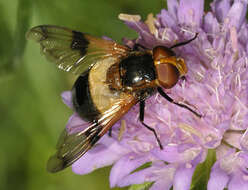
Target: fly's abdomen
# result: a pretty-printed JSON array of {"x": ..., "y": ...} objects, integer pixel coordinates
[{"x": 82, "y": 100}]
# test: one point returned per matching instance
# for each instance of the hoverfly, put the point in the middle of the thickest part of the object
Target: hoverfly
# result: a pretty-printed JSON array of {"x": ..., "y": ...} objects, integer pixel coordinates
[{"x": 112, "y": 78}]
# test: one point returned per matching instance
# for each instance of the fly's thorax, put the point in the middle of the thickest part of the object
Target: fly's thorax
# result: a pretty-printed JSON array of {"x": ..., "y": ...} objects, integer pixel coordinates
[
  {"x": 135, "y": 74},
  {"x": 137, "y": 70}
]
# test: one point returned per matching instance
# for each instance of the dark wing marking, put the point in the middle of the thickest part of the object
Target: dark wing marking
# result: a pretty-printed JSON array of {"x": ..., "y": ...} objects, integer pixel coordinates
[
  {"x": 71, "y": 147},
  {"x": 71, "y": 50},
  {"x": 75, "y": 143}
]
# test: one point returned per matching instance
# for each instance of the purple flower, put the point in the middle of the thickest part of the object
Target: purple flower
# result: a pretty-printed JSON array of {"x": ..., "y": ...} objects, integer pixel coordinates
[{"x": 216, "y": 85}]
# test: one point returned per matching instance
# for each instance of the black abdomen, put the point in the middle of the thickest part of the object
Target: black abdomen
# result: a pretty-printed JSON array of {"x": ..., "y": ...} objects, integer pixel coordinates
[{"x": 82, "y": 100}]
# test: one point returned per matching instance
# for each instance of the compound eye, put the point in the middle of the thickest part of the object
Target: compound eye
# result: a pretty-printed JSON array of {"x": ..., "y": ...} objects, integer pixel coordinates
[{"x": 167, "y": 74}]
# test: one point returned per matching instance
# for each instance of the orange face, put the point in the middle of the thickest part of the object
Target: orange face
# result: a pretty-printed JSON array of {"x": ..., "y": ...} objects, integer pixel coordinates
[{"x": 169, "y": 68}]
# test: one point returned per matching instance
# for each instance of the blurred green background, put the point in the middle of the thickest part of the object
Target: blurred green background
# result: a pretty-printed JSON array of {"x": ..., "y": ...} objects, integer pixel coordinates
[{"x": 32, "y": 114}]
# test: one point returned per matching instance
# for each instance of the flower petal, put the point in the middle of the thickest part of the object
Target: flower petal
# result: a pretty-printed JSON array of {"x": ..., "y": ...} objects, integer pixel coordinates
[
  {"x": 236, "y": 15},
  {"x": 171, "y": 154},
  {"x": 190, "y": 12},
  {"x": 244, "y": 141},
  {"x": 67, "y": 98},
  {"x": 139, "y": 177},
  {"x": 159, "y": 172},
  {"x": 239, "y": 181},
  {"x": 146, "y": 38},
  {"x": 211, "y": 24},
  {"x": 182, "y": 178},
  {"x": 76, "y": 124},
  {"x": 233, "y": 138},
  {"x": 221, "y": 8},
  {"x": 166, "y": 177},
  {"x": 244, "y": 157},
  {"x": 218, "y": 178},
  {"x": 103, "y": 154},
  {"x": 167, "y": 20},
  {"x": 168, "y": 154},
  {"x": 172, "y": 7},
  {"x": 161, "y": 184},
  {"x": 124, "y": 166}
]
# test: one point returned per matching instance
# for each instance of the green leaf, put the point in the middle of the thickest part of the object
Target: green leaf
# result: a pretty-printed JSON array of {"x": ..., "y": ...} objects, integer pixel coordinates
[
  {"x": 202, "y": 172},
  {"x": 144, "y": 186}
]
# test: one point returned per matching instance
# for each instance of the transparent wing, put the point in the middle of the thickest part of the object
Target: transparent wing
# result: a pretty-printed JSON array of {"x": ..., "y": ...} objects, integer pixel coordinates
[
  {"x": 72, "y": 50},
  {"x": 71, "y": 147},
  {"x": 74, "y": 143}
]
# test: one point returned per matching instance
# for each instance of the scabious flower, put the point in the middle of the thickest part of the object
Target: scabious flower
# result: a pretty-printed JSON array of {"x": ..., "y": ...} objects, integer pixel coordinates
[{"x": 216, "y": 85}]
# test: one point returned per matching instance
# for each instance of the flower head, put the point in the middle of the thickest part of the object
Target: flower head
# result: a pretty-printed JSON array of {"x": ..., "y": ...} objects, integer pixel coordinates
[{"x": 216, "y": 85}]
